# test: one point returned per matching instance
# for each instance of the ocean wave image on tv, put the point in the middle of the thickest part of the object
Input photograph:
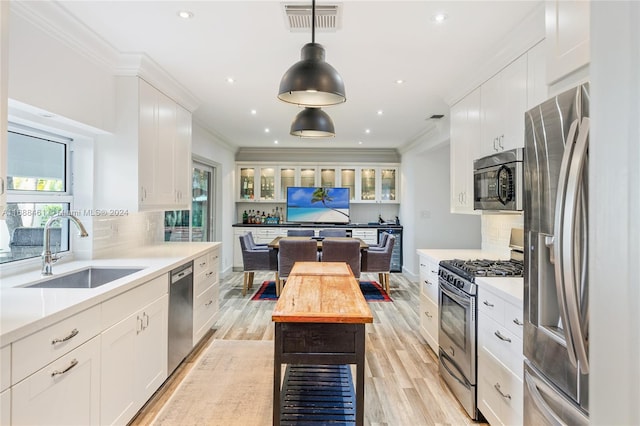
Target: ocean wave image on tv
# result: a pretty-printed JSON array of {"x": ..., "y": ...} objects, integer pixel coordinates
[{"x": 321, "y": 205}]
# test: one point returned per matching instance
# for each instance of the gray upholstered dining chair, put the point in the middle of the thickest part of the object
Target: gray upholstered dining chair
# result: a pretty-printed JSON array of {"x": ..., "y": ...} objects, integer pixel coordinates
[
  {"x": 380, "y": 245},
  {"x": 252, "y": 243},
  {"x": 333, "y": 232},
  {"x": 292, "y": 251},
  {"x": 380, "y": 261},
  {"x": 299, "y": 232},
  {"x": 343, "y": 251},
  {"x": 255, "y": 259}
]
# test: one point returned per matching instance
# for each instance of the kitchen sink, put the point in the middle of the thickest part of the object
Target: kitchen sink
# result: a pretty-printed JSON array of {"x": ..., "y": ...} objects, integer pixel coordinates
[{"x": 85, "y": 278}]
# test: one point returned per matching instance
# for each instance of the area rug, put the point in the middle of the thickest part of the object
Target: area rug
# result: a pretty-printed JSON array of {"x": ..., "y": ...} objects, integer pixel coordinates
[
  {"x": 231, "y": 384},
  {"x": 372, "y": 291}
]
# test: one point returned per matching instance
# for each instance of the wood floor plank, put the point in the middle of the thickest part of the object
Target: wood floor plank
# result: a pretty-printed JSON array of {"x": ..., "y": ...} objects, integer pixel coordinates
[{"x": 402, "y": 383}]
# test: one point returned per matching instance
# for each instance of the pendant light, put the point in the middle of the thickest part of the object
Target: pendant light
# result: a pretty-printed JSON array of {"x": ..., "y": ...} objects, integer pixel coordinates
[
  {"x": 312, "y": 82},
  {"x": 312, "y": 123}
]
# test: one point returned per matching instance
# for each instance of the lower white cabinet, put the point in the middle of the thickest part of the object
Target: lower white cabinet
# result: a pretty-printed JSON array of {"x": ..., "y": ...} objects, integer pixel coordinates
[
  {"x": 64, "y": 392},
  {"x": 500, "y": 357},
  {"x": 368, "y": 235},
  {"x": 429, "y": 300},
  {"x": 134, "y": 352},
  {"x": 5, "y": 407},
  {"x": 206, "y": 288}
]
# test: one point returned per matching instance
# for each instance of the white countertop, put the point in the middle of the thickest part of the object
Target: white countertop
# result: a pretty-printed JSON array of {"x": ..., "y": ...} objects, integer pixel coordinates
[
  {"x": 26, "y": 310},
  {"x": 510, "y": 288}
]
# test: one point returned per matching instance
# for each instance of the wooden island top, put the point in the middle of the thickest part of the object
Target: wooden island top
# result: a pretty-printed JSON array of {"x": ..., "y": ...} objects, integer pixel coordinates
[{"x": 314, "y": 295}]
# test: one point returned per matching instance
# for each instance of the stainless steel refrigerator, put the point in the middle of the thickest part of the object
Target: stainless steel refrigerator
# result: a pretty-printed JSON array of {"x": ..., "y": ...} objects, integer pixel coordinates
[{"x": 556, "y": 330}]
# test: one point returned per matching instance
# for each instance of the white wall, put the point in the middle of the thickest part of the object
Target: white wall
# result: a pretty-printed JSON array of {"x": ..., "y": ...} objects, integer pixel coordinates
[
  {"x": 47, "y": 73},
  {"x": 614, "y": 208},
  {"x": 211, "y": 149},
  {"x": 425, "y": 212}
]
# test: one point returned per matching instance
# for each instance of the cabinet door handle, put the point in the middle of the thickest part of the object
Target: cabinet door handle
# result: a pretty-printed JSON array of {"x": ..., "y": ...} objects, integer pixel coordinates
[
  {"x": 69, "y": 336},
  {"x": 497, "y": 386},
  {"x": 138, "y": 325},
  {"x": 427, "y": 282},
  {"x": 501, "y": 337},
  {"x": 428, "y": 315},
  {"x": 73, "y": 363},
  {"x": 146, "y": 319},
  {"x": 494, "y": 144},
  {"x": 500, "y": 139},
  {"x": 486, "y": 303},
  {"x": 516, "y": 321}
]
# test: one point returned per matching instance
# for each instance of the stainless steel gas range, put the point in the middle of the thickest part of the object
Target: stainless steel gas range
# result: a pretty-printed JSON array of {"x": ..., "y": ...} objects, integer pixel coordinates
[{"x": 458, "y": 321}]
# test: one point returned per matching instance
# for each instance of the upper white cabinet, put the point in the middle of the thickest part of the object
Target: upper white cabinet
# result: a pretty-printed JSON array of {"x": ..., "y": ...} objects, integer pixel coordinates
[
  {"x": 567, "y": 37},
  {"x": 267, "y": 182},
  {"x": 503, "y": 104},
  {"x": 4, "y": 94},
  {"x": 465, "y": 146},
  {"x": 147, "y": 165},
  {"x": 537, "y": 89}
]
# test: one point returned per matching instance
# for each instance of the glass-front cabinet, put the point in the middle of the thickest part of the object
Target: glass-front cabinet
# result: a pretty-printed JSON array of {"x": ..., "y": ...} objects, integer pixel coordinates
[{"x": 269, "y": 182}]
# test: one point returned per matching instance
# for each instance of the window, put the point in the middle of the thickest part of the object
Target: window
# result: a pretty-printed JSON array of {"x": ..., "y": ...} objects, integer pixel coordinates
[{"x": 38, "y": 186}]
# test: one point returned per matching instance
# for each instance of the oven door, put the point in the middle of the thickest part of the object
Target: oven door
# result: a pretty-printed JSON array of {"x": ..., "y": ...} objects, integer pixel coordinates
[{"x": 457, "y": 329}]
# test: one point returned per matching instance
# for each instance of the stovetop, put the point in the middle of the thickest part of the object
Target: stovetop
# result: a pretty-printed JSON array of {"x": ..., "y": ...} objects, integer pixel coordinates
[{"x": 469, "y": 269}]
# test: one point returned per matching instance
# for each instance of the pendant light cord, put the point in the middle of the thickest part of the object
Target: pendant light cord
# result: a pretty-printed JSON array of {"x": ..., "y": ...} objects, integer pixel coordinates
[{"x": 313, "y": 21}]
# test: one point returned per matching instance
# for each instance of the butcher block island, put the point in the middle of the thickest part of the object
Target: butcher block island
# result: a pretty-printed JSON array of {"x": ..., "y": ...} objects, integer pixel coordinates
[{"x": 320, "y": 319}]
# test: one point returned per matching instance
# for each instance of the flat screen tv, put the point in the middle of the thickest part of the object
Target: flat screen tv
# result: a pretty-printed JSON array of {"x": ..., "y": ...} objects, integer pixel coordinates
[{"x": 317, "y": 205}]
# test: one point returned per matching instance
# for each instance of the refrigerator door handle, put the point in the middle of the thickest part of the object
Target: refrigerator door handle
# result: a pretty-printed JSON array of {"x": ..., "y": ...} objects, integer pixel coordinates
[
  {"x": 538, "y": 400},
  {"x": 575, "y": 280},
  {"x": 557, "y": 241}
]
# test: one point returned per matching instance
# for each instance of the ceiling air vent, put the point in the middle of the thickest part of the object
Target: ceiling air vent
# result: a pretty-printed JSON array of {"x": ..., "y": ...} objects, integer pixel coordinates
[{"x": 299, "y": 17}]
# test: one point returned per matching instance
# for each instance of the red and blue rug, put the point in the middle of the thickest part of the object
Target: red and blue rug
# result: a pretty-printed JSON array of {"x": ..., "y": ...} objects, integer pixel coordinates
[{"x": 371, "y": 290}]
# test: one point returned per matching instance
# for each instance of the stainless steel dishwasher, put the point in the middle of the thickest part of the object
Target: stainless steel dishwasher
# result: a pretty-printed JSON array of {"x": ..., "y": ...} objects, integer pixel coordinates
[{"x": 180, "y": 315}]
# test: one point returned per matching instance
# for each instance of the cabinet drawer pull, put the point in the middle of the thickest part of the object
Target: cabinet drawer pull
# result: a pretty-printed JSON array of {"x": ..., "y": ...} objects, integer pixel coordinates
[
  {"x": 73, "y": 363},
  {"x": 486, "y": 303},
  {"x": 501, "y": 337},
  {"x": 516, "y": 321},
  {"x": 208, "y": 303},
  {"x": 427, "y": 282},
  {"x": 208, "y": 274},
  {"x": 203, "y": 263},
  {"x": 422, "y": 264},
  {"x": 428, "y": 315},
  {"x": 71, "y": 335},
  {"x": 497, "y": 386}
]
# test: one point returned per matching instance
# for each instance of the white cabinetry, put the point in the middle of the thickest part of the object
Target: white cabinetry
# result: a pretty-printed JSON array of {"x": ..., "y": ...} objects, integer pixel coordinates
[
  {"x": 5, "y": 382},
  {"x": 429, "y": 300},
  {"x": 537, "y": 89},
  {"x": 567, "y": 37},
  {"x": 503, "y": 104},
  {"x": 4, "y": 96},
  {"x": 55, "y": 373},
  {"x": 134, "y": 349},
  {"x": 500, "y": 357},
  {"x": 368, "y": 235},
  {"x": 465, "y": 145},
  {"x": 147, "y": 165},
  {"x": 206, "y": 288},
  {"x": 65, "y": 392}
]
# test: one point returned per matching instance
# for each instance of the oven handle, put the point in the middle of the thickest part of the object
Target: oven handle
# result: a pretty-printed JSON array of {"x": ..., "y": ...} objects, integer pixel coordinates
[{"x": 460, "y": 297}]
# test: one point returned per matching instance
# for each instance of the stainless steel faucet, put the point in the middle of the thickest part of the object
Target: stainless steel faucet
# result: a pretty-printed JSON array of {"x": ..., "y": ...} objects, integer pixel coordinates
[{"x": 49, "y": 259}]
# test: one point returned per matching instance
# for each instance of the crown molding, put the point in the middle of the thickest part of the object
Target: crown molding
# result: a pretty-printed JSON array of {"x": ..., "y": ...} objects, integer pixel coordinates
[
  {"x": 435, "y": 135},
  {"x": 523, "y": 37},
  {"x": 58, "y": 23},
  {"x": 319, "y": 155}
]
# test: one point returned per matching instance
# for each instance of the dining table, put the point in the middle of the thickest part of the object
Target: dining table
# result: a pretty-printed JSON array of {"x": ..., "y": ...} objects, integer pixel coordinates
[
  {"x": 320, "y": 319},
  {"x": 275, "y": 243}
]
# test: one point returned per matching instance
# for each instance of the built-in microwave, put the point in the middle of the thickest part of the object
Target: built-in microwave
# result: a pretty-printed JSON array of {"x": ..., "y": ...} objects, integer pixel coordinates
[{"x": 498, "y": 181}]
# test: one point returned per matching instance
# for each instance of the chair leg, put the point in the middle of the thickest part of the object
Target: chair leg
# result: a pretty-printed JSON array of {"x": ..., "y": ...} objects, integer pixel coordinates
[
  {"x": 251, "y": 274},
  {"x": 387, "y": 287},
  {"x": 245, "y": 281},
  {"x": 381, "y": 278}
]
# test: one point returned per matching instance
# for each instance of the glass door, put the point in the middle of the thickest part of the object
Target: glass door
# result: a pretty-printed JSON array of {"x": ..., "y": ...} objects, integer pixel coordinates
[{"x": 348, "y": 180}]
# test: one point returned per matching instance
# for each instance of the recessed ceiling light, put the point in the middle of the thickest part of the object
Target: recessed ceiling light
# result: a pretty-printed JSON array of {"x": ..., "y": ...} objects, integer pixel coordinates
[
  {"x": 359, "y": 142},
  {"x": 230, "y": 80},
  {"x": 379, "y": 112},
  {"x": 367, "y": 131},
  {"x": 439, "y": 17},
  {"x": 400, "y": 81},
  {"x": 254, "y": 112},
  {"x": 275, "y": 142},
  {"x": 266, "y": 130},
  {"x": 185, "y": 14}
]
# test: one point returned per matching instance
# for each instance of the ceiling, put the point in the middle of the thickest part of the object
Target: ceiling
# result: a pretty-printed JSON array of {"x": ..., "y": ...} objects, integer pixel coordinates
[{"x": 376, "y": 44}]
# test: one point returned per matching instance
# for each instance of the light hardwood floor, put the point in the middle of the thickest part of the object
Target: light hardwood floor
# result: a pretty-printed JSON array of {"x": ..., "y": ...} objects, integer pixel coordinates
[{"x": 402, "y": 385}]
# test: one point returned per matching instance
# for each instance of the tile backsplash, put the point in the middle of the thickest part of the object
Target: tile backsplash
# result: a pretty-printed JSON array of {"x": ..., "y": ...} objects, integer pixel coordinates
[
  {"x": 112, "y": 235},
  {"x": 496, "y": 231}
]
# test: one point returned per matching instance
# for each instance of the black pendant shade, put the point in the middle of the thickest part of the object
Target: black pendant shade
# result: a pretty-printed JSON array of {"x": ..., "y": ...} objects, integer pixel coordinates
[
  {"x": 312, "y": 82},
  {"x": 312, "y": 123}
]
